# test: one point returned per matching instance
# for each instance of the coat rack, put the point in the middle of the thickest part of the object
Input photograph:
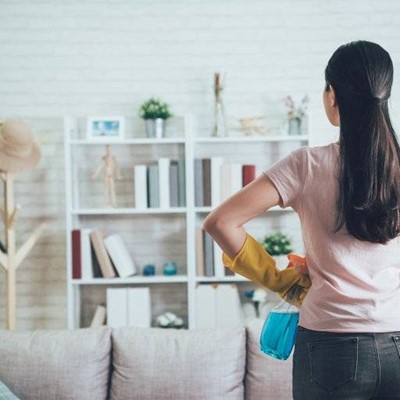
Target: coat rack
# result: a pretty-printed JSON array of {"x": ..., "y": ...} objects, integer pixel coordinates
[{"x": 13, "y": 258}]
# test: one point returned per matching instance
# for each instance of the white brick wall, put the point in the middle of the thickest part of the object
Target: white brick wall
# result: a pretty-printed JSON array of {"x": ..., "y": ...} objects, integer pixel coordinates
[{"x": 106, "y": 57}]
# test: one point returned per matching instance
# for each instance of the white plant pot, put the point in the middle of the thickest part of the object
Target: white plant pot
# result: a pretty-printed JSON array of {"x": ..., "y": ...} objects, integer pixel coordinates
[{"x": 155, "y": 128}]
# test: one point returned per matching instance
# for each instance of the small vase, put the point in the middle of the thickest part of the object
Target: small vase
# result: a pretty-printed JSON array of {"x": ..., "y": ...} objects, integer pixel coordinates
[
  {"x": 294, "y": 127},
  {"x": 219, "y": 120},
  {"x": 155, "y": 128}
]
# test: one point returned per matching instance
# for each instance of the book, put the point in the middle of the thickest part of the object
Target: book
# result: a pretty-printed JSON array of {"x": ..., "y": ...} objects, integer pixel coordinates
[
  {"x": 163, "y": 183},
  {"x": 181, "y": 183},
  {"x": 208, "y": 249},
  {"x": 120, "y": 256},
  {"x": 206, "y": 316},
  {"x": 198, "y": 182},
  {"x": 102, "y": 256},
  {"x": 206, "y": 187},
  {"x": 86, "y": 254},
  {"x": 173, "y": 184},
  {"x": 99, "y": 317},
  {"x": 199, "y": 251},
  {"x": 215, "y": 180},
  {"x": 248, "y": 173},
  {"x": 139, "y": 307},
  {"x": 218, "y": 306},
  {"x": 219, "y": 268},
  {"x": 117, "y": 307},
  {"x": 236, "y": 177},
  {"x": 76, "y": 254},
  {"x": 128, "y": 307},
  {"x": 153, "y": 194},
  {"x": 140, "y": 183},
  {"x": 228, "y": 306},
  {"x": 225, "y": 188}
]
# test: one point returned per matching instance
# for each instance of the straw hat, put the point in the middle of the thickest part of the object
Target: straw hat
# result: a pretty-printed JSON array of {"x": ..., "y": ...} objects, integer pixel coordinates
[{"x": 18, "y": 150}]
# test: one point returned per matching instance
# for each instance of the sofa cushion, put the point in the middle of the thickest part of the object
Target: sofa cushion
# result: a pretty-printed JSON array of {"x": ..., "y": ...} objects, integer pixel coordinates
[
  {"x": 162, "y": 364},
  {"x": 266, "y": 377},
  {"x": 49, "y": 365}
]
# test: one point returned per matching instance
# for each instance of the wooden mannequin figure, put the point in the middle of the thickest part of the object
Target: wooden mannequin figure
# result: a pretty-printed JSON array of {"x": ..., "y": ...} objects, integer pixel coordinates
[{"x": 111, "y": 169}]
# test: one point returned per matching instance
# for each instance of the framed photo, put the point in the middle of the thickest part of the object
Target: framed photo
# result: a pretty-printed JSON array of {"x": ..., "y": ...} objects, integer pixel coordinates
[{"x": 108, "y": 128}]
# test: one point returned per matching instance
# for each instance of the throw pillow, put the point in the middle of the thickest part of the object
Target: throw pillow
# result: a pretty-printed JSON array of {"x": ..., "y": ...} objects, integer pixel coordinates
[{"x": 171, "y": 364}]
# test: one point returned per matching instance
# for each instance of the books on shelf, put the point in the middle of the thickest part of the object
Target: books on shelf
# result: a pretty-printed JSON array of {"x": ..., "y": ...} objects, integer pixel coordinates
[
  {"x": 128, "y": 307},
  {"x": 99, "y": 317},
  {"x": 120, "y": 256},
  {"x": 160, "y": 184},
  {"x": 97, "y": 256},
  {"x": 216, "y": 180},
  {"x": 209, "y": 256},
  {"x": 102, "y": 256},
  {"x": 140, "y": 182},
  {"x": 218, "y": 306}
]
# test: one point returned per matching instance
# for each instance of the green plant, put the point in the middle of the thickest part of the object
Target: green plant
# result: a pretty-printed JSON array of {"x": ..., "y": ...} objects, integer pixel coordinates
[
  {"x": 153, "y": 109},
  {"x": 277, "y": 244}
]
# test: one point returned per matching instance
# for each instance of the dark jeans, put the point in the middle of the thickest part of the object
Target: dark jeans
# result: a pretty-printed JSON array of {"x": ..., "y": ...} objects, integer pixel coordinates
[{"x": 351, "y": 366}]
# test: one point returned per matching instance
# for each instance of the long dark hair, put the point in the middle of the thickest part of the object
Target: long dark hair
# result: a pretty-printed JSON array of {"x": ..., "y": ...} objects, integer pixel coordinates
[{"x": 361, "y": 73}]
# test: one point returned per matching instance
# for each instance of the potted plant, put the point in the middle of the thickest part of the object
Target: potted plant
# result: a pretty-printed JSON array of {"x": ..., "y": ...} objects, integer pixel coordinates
[
  {"x": 295, "y": 114},
  {"x": 279, "y": 246},
  {"x": 155, "y": 113}
]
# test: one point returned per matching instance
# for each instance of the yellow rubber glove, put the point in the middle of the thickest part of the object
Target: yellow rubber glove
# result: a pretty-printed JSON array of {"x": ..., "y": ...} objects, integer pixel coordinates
[{"x": 256, "y": 264}]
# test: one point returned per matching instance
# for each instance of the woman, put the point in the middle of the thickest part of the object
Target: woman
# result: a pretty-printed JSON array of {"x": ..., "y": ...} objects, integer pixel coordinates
[{"x": 347, "y": 196}]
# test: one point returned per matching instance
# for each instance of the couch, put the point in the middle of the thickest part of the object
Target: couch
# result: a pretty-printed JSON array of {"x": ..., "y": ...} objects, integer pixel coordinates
[{"x": 144, "y": 364}]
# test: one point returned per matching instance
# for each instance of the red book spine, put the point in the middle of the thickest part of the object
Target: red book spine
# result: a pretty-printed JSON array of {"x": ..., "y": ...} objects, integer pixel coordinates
[
  {"x": 76, "y": 254},
  {"x": 248, "y": 173}
]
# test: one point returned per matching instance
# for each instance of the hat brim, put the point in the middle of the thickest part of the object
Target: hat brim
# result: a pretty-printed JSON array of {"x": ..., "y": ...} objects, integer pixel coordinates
[{"x": 18, "y": 164}]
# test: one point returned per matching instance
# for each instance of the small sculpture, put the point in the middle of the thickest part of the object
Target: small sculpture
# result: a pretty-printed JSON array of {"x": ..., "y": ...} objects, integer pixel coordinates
[
  {"x": 249, "y": 126},
  {"x": 111, "y": 168}
]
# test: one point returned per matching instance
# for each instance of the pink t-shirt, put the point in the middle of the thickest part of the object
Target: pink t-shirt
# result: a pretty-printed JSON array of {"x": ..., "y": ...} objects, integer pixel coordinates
[{"x": 355, "y": 284}]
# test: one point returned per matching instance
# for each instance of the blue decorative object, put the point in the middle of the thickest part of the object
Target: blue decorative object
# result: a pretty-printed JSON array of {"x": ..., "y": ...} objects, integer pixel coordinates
[
  {"x": 149, "y": 270},
  {"x": 170, "y": 268}
]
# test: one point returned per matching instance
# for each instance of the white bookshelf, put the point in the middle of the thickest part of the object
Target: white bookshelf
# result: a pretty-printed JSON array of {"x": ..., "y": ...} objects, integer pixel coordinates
[{"x": 190, "y": 146}]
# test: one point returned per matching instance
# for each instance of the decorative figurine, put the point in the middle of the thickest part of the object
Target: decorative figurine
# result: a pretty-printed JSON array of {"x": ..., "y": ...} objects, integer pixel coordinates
[
  {"x": 111, "y": 168},
  {"x": 170, "y": 268},
  {"x": 249, "y": 126},
  {"x": 149, "y": 270}
]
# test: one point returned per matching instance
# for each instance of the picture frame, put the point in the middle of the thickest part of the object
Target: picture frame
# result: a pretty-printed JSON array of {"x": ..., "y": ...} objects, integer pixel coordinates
[{"x": 105, "y": 128}]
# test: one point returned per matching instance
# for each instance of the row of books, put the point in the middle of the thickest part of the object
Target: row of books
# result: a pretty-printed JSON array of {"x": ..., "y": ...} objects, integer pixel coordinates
[
  {"x": 160, "y": 184},
  {"x": 218, "y": 306},
  {"x": 216, "y": 180},
  {"x": 209, "y": 256},
  {"x": 97, "y": 256}
]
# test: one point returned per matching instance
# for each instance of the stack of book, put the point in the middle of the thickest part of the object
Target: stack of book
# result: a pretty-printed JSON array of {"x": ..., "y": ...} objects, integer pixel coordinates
[
  {"x": 215, "y": 180},
  {"x": 160, "y": 184},
  {"x": 218, "y": 306},
  {"x": 125, "y": 307},
  {"x": 209, "y": 256},
  {"x": 128, "y": 307},
  {"x": 96, "y": 256}
]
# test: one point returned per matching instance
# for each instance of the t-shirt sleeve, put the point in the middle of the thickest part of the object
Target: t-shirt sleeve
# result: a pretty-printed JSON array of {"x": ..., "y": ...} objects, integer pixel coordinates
[{"x": 289, "y": 176}]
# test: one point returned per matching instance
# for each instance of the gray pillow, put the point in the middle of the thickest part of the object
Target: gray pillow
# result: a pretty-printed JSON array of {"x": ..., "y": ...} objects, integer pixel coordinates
[
  {"x": 266, "y": 377},
  {"x": 163, "y": 364},
  {"x": 50, "y": 365}
]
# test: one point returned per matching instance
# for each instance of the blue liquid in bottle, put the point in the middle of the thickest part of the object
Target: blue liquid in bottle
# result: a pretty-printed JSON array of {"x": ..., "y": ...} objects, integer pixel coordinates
[{"x": 279, "y": 334}]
